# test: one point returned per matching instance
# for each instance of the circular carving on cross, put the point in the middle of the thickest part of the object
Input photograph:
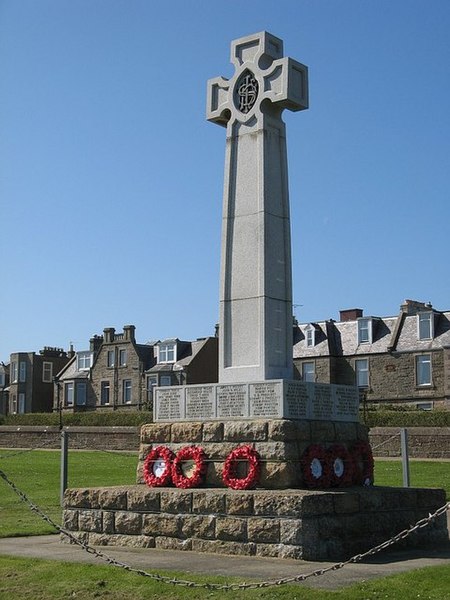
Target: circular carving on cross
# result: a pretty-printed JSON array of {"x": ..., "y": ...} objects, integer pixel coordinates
[{"x": 246, "y": 92}]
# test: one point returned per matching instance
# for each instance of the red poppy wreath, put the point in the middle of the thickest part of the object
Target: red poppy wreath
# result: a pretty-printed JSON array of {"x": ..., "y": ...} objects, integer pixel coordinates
[
  {"x": 363, "y": 464},
  {"x": 230, "y": 468},
  {"x": 341, "y": 465},
  {"x": 158, "y": 467},
  {"x": 315, "y": 467},
  {"x": 189, "y": 467}
]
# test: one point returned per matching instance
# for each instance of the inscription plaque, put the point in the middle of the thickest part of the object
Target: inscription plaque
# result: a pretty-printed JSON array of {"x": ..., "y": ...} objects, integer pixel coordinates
[
  {"x": 265, "y": 399},
  {"x": 200, "y": 403},
  {"x": 232, "y": 401},
  {"x": 346, "y": 402},
  {"x": 322, "y": 405},
  {"x": 296, "y": 400},
  {"x": 169, "y": 404}
]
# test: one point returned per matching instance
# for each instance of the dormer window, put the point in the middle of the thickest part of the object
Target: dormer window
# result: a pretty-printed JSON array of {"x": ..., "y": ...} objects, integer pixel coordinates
[
  {"x": 166, "y": 353},
  {"x": 310, "y": 335},
  {"x": 364, "y": 331},
  {"x": 425, "y": 325},
  {"x": 84, "y": 361}
]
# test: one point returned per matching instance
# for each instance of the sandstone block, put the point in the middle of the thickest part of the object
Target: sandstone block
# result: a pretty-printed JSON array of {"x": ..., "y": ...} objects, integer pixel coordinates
[
  {"x": 128, "y": 523},
  {"x": 291, "y": 531},
  {"x": 81, "y": 536},
  {"x": 165, "y": 525},
  {"x": 143, "y": 498},
  {"x": 282, "y": 430},
  {"x": 113, "y": 498},
  {"x": 263, "y": 530},
  {"x": 200, "y": 526},
  {"x": 277, "y": 504},
  {"x": 70, "y": 520},
  {"x": 279, "y": 475},
  {"x": 346, "y": 502},
  {"x": 169, "y": 543},
  {"x": 295, "y": 552},
  {"x": 186, "y": 433},
  {"x": 81, "y": 498},
  {"x": 219, "y": 451},
  {"x": 346, "y": 432},
  {"x": 277, "y": 450},
  {"x": 213, "y": 431},
  {"x": 317, "y": 503},
  {"x": 108, "y": 521},
  {"x": 223, "y": 547},
  {"x": 176, "y": 501},
  {"x": 214, "y": 474},
  {"x": 323, "y": 432},
  {"x": 268, "y": 550},
  {"x": 208, "y": 502},
  {"x": 155, "y": 433},
  {"x": 231, "y": 528},
  {"x": 245, "y": 431},
  {"x": 239, "y": 503},
  {"x": 304, "y": 431},
  {"x": 130, "y": 541},
  {"x": 90, "y": 520}
]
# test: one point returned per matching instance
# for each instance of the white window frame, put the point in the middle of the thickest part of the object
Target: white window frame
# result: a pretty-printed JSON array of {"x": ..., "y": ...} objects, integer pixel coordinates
[
  {"x": 22, "y": 371},
  {"x": 167, "y": 353},
  {"x": 310, "y": 336},
  {"x": 311, "y": 374},
  {"x": 365, "y": 324},
  {"x": 47, "y": 372},
  {"x": 105, "y": 385},
  {"x": 422, "y": 318},
  {"x": 14, "y": 372},
  {"x": 69, "y": 386},
  {"x": 111, "y": 358},
  {"x": 122, "y": 357},
  {"x": 127, "y": 391},
  {"x": 423, "y": 359},
  {"x": 362, "y": 372},
  {"x": 84, "y": 361}
]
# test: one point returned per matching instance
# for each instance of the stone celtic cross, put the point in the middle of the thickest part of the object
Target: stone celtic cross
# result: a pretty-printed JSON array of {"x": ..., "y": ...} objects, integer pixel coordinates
[{"x": 255, "y": 323}]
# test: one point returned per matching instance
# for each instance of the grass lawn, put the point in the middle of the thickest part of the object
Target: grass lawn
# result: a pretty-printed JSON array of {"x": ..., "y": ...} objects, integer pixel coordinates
[{"x": 49, "y": 580}]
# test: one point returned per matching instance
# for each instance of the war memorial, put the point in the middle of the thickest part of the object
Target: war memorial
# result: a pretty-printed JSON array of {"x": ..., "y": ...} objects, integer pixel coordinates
[{"x": 258, "y": 463}]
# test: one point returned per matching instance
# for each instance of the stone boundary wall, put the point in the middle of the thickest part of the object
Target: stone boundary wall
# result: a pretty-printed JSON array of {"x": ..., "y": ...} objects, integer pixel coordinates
[
  {"x": 299, "y": 524},
  {"x": 424, "y": 442}
]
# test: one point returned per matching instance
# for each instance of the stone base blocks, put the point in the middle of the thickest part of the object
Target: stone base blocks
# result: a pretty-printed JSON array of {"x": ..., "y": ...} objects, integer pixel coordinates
[
  {"x": 309, "y": 525},
  {"x": 279, "y": 442}
]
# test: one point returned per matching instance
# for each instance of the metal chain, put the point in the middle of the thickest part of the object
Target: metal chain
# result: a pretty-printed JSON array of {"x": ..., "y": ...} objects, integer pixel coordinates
[
  {"x": 233, "y": 586},
  {"x": 385, "y": 441},
  {"x": 42, "y": 444}
]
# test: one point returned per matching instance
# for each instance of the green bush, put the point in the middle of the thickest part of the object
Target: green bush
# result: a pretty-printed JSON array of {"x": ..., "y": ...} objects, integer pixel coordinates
[
  {"x": 405, "y": 418},
  {"x": 94, "y": 418}
]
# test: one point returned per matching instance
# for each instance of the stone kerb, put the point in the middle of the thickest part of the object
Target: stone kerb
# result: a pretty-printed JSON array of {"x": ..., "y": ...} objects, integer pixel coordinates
[{"x": 279, "y": 442}]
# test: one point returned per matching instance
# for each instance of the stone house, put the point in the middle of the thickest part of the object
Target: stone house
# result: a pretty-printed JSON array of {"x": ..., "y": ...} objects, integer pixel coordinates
[
  {"x": 4, "y": 388},
  {"x": 118, "y": 373},
  {"x": 404, "y": 359},
  {"x": 32, "y": 379}
]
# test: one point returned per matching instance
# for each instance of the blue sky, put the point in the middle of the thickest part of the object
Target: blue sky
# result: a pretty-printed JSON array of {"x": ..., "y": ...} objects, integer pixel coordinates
[{"x": 111, "y": 178}]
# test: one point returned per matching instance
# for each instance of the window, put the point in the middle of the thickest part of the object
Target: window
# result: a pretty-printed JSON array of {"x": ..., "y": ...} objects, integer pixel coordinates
[
  {"x": 166, "y": 353},
  {"x": 423, "y": 369},
  {"x": 21, "y": 403},
  {"x": 69, "y": 393},
  {"x": 425, "y": 325},
  {"x": 14, "y": 404},
  {"x": 110, "y": 359},
  {"x": 22, "y": 371},
  {"x": 310, "y": 336},
  {"x": 104, "y": 392},
  {"x": 308, "y": 371},
  {"x": 13, "y": 372},
  {"x": 81, "y": 393},
  {"x": 126, "y": 391},
  {"x": 122, "y": 358},
  {"x": 47, "y": 372},
  {"x": 84, "y": 361},
  {"x": 150, "y": 384},
  {"x": 165, "y": 380},
  {"x": 364, "y": 331},
  {"x": 362, "y": 372},
  {"x": 2, "y": 379},
  {"x": 424, "y": 405}
]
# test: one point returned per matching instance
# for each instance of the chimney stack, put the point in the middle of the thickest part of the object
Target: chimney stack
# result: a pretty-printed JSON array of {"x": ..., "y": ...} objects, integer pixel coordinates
[{"x": 350, "y": 314}]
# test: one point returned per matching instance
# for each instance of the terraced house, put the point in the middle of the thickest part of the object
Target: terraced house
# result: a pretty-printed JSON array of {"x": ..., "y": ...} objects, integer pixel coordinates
[{"x": 400, "y": 359}]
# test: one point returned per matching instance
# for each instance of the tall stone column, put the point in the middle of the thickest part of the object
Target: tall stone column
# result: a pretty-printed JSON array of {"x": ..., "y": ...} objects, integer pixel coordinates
[{"x": 255, "y": 323}]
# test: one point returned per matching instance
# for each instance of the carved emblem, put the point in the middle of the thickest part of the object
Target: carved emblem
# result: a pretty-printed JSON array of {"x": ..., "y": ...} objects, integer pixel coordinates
[{"x": 246, "y": 91}]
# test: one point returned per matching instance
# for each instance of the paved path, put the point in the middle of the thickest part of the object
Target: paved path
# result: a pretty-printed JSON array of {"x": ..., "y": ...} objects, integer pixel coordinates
[{"x": 246, "y": 567}]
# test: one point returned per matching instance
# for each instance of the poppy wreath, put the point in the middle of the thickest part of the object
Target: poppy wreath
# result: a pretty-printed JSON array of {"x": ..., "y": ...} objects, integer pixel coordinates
[
  {"x": 189, "y": 453},
  {"x": 341, "y": 466},
  {"x": 362, "y": 463},
  {"x": 229, "y": 472},
  {"x": 315, "y": 467},
  {"x": 161, "y": 456}
]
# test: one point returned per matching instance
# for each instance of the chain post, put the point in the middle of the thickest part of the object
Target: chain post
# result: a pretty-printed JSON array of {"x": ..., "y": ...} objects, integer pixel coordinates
[
  {"x": 405, "y": 457},
  {"x": 64, "y": 463}
]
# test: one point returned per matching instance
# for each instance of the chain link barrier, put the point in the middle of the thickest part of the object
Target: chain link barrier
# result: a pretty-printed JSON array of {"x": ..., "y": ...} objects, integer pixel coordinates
[
  {"x": 217, "y": 586},
  {"x": 385, "y": 441}
]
